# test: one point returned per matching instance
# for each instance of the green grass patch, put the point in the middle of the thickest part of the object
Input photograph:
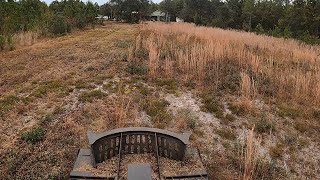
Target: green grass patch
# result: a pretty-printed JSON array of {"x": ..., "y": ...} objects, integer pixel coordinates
[
  {"x": 210, "y": 104},
  {"x": 123, "y": 44},
  {"x": 49, "y": 87},
  {"x": 83, "y": 85},
  {"x": 142, "y": 53},
  {"x": 156, "y": 109},
  {"x": 190, "y": 119},
  {"x": 264, "y": 126},
  {"x": 91, "y": 95},
  {"x": 285, "y": 110},
  {"x": 169, "y": 84},
  {"x": 137, "y": 69},
  {"x": 100, "y": 79},
  {"x": 7, "y": 103},
  {"x": 34, "y": 135}
]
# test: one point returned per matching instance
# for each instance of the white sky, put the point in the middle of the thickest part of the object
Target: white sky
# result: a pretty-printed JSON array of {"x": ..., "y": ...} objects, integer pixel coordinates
[{"x": 100, "y": 2}]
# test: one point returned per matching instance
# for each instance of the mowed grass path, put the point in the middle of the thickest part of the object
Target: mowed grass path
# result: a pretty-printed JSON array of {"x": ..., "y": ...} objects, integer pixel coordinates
[{"x": 42, "y": 119}]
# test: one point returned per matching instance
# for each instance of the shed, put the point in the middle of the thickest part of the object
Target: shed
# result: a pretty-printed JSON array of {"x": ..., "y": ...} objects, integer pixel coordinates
[{"x": 158, "y": 15}]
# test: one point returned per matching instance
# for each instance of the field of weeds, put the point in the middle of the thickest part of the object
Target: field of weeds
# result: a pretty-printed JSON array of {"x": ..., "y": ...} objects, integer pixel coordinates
[{"x": 218, "y": 84}]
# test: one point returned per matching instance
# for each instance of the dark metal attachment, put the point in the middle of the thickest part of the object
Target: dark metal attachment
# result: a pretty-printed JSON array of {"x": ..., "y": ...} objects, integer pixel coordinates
[{"x": 137, "y": 140}]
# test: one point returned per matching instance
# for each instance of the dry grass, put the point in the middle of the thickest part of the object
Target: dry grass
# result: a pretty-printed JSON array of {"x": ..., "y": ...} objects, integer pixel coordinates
[
  {"x": 25, "y": 38},
  {"x": 288, "y": 68},
  {"x": 90, "y": 80},
  {"x": 250, "y": 157},
  {"x": 45, "y": 76}
]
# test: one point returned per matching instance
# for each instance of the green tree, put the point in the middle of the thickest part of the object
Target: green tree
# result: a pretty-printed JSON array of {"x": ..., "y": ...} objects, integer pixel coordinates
[{"x": 247, "y": 14}]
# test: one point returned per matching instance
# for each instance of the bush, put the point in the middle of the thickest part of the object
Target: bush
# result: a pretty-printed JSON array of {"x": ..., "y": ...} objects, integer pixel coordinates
[
  {"x": 34, "y": 135},
  {"x": 10, "y": 43},
  {"x": 59, "y": 25},
  {"x": 2, "y": 42},
  {"x": 276, "y": 32},
  {"x": 259, "y": 29}
]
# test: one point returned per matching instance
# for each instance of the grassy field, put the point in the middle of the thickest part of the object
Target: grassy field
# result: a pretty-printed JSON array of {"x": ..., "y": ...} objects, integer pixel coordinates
[{"x": 218, "y": 84}]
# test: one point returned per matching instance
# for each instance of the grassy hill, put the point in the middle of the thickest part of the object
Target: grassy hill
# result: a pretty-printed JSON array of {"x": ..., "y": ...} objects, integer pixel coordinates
[{"x": 219, "y": 84}]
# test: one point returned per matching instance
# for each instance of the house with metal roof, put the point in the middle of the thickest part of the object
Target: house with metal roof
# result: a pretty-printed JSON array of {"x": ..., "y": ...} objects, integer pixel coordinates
[{"x": 158, "y": 16}]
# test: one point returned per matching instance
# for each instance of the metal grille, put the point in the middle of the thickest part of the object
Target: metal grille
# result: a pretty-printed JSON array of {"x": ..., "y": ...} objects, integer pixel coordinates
[{"x": 119, "y": 142}]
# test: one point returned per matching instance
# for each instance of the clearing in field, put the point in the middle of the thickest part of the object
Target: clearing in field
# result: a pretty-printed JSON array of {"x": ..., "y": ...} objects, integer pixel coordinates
[{"x": 216, "y": 83}]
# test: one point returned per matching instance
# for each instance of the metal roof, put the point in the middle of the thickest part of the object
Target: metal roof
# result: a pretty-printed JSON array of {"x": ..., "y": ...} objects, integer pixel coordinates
[{"x": 158, "y": 13}]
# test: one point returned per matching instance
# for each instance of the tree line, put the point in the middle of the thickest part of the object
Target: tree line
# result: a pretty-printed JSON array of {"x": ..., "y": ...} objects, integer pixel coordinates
[
  {"x": 58, "y": 18},
  {"x": 298, "y": 19}
]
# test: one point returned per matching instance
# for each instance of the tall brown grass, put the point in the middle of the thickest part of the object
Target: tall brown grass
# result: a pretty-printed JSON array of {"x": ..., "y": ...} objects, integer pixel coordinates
[
  {"x": 250, "y": 157},
  {"x": 247, "y": 86},
  {"x": 265, "y": 65},
  {"x": 25, "y": 38},
  {"x": 154, "y": 54}
]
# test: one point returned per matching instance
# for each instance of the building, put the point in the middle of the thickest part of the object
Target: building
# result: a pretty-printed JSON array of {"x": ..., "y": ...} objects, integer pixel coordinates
[{"x": 158, "y": 16}]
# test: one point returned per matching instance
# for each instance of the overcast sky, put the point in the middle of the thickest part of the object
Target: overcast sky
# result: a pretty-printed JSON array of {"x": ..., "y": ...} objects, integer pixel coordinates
[{"x": 100, "y": 2}]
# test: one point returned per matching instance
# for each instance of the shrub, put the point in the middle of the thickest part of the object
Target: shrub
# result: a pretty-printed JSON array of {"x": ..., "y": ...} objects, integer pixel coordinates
[
  {"x": 259, "y": 29},
  {"x": 2, "y": 42},
  {"x": 10, "y": 43},
  {"x": 34, "y": 135},
  {"x": 59, "y": 25}
]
